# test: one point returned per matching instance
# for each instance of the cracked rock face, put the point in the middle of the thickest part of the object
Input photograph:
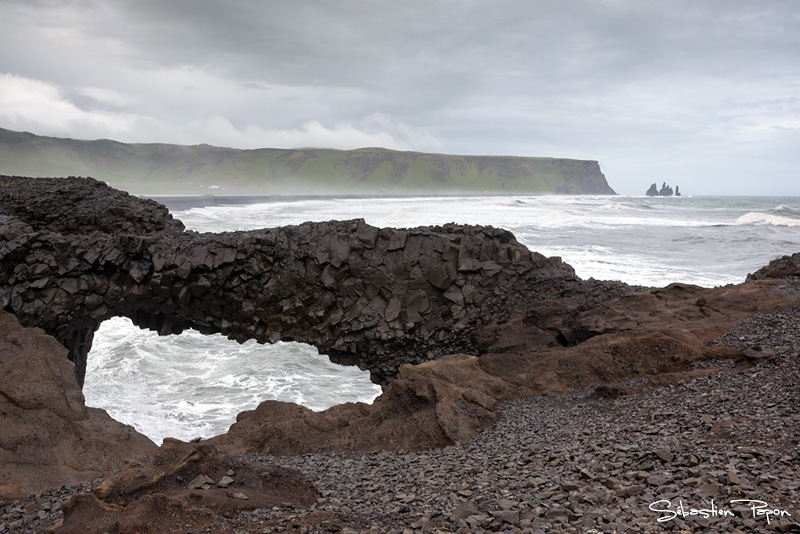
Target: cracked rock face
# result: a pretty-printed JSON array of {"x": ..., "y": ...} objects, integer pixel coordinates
[{"x": 74, "y": 252}]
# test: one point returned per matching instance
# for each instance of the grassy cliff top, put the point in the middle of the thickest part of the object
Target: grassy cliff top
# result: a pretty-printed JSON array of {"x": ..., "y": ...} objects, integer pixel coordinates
[{"x": 177, "y": 169}]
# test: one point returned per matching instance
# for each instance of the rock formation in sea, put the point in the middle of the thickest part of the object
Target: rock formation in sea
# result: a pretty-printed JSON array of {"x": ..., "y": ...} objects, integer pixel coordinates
[
  {"x": 453, "y": 320},
  {"x": 665, "y": 191}
]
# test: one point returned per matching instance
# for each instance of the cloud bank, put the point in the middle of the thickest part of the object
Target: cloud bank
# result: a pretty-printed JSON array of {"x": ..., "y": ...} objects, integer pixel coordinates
[
  {"x": 700, "y": 94},
  {"x": 36, "y": 106}
]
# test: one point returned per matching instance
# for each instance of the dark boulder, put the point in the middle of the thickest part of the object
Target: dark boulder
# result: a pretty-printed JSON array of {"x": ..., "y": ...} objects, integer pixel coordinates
[{"x": 785, "y": 266}]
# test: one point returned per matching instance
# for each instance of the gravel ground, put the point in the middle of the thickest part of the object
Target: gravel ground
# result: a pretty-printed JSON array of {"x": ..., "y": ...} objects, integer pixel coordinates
[
  {"x": 582, "y": 463},
  {"x": 578, "y": 462}
]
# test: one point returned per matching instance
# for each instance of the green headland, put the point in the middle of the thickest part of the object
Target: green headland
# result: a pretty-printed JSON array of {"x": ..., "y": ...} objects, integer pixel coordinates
[{"x": 202, "y": 169}]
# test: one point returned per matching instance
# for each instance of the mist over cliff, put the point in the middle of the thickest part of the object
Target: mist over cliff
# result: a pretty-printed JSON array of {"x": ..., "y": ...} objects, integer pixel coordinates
[{"x": 201, "y": 169}]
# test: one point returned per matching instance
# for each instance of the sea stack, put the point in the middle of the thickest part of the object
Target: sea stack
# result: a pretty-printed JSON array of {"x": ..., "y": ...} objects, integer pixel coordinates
[{"x": 665, "y": 191}]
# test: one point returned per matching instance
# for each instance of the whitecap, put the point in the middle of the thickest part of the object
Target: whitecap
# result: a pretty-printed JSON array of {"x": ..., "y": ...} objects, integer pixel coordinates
[{"x": 766, "y": 219}]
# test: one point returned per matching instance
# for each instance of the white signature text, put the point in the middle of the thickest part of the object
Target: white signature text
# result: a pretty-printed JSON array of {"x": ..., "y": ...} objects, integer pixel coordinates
[{"x": 757, "y": 508}]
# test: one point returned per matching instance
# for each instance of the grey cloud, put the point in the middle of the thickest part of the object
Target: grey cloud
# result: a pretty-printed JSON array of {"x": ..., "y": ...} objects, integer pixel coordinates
[{"x": 594, "y": 79}]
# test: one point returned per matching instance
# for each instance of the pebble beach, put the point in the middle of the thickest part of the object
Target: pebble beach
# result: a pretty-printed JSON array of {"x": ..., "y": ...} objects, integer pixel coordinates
[
  {"x": 583, "y": 462},
  {"x": 692, "y": 457}
]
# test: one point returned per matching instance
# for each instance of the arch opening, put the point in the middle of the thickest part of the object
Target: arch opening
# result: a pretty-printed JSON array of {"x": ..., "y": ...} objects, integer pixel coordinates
[{"x": 194, "y": 385}]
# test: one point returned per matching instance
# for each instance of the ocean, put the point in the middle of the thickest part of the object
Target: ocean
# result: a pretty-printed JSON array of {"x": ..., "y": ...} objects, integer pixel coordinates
[{"x": 192, "y": 385}]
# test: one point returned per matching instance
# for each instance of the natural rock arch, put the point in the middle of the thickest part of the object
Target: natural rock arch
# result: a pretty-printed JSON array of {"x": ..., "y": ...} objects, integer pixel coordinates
[{"x": 74, "y": 252}]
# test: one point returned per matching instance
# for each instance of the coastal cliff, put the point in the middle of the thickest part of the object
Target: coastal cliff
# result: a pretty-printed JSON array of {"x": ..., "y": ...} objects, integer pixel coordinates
[
  {"x": 203, "y": 169},
  {"x": 454, "y": 321}
]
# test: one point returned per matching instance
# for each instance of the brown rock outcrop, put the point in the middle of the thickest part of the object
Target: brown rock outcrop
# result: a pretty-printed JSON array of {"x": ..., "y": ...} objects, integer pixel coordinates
[
  {"x": 438, "y": 403},
  {"x": 184, "y": 484},
  {"x": 48, "y": 437}
]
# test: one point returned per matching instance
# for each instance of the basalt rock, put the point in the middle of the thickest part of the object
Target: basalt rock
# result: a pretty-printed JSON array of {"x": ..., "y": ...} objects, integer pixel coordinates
[
  {"x": 665, "y": 191},
  {"x": 462, "y": 317},
  {"x": 75, "y": 252}
]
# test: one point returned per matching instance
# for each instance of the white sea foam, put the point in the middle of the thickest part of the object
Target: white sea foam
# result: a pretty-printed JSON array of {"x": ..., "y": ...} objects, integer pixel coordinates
[{"x": 194, "y": 385}]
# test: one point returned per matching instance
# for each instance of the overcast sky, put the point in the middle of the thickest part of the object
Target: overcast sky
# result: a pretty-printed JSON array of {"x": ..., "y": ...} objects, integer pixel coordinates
[{"x": 704, "y": 94}]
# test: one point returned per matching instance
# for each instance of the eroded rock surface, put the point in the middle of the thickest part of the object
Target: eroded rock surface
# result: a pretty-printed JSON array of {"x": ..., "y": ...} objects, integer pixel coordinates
[
  {"x": 783, "y": 267},
  {"x": 184, "y": 484},
  {"x": 48, "y": 437},
  {"x": 74, "y": 252},
  {"x": 662, "y": 333}
]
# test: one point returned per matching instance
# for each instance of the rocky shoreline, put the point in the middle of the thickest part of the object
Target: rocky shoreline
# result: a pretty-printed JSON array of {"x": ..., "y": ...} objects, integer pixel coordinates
[
  {"x": 592, "y": 460},
  {"x": 517, "y": 397}
]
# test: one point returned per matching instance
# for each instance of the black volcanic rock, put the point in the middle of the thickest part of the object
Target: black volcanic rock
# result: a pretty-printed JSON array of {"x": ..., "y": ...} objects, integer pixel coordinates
[
  {"x": 83, "y": 205},
  {"x": 778, "y": 268},
  {"x": 374, "y": 297}
]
